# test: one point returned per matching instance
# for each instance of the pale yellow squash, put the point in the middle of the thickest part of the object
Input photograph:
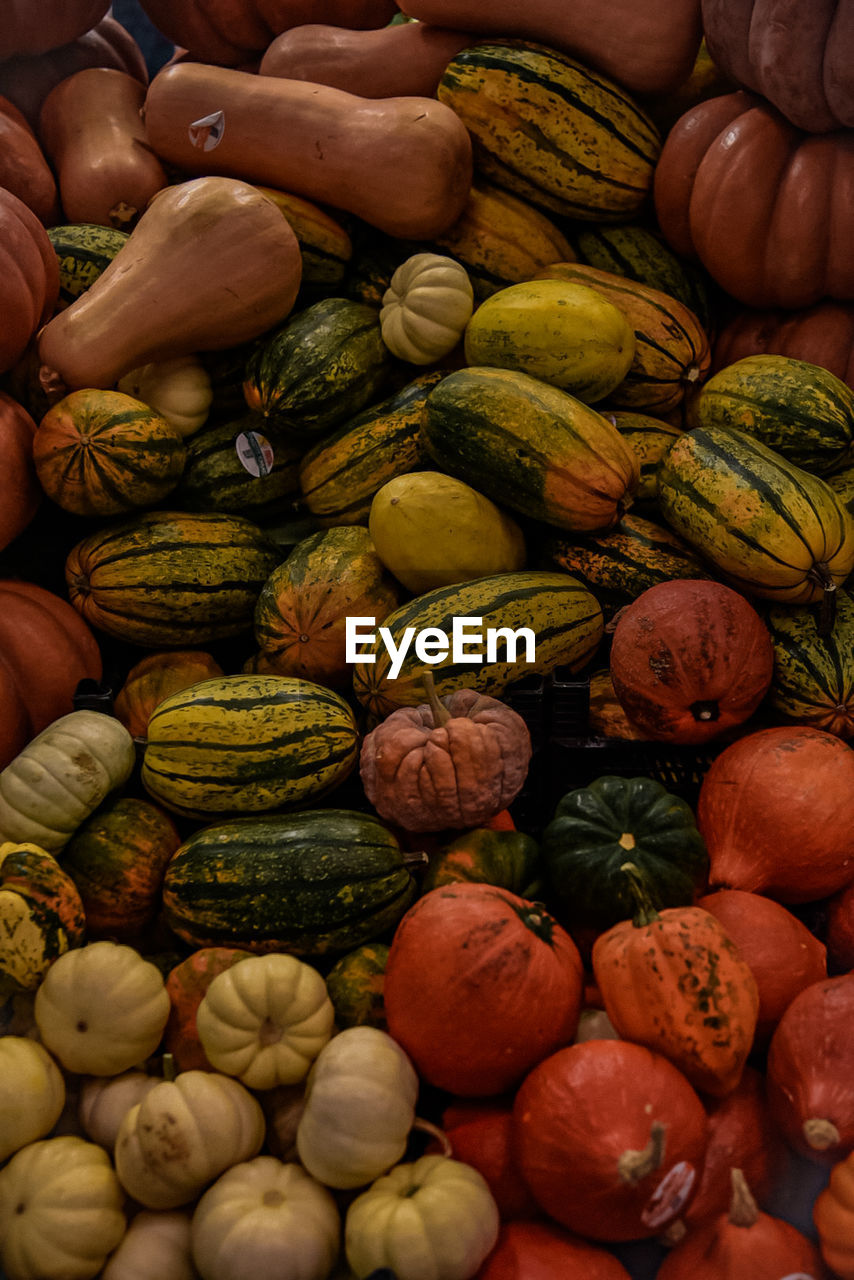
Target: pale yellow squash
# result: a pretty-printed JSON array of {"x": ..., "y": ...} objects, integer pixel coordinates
[
  {"x": 426, "y": 307},
  {"x": 156, "y": 1246},
  {"x": 178, "y": 389},
  {"x": 32, "y": 1093}
]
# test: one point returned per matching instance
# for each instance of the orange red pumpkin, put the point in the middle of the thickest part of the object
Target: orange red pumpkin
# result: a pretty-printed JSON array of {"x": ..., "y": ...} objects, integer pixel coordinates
[
  {"x": 29, "y": 277},
  {"x": 21, "y": 491},
  {"x": 154, "y": 678}
]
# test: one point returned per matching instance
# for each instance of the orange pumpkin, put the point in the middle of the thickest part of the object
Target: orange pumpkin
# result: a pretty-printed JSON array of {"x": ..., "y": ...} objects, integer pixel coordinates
[
  {"x": 543, "y": 1251},
  {"x": 833, "y": 1215},
  {"x": 822, "y": 334},
  {"x": 480, "y": 1133},
  {"x": 21, "y": 492},
  {"x": 29, "y": 277},
  {"x": 840, "y": 929},
  {"x": 35, "y": 26},
  {"x": 24, "y": 170},
  {"x": 154, "y": 678},
  {"x": 186, "y": 984}
]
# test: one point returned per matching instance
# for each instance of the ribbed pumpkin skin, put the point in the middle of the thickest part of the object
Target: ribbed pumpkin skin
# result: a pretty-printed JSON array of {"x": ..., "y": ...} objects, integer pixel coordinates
[
  {"x": 822, "y": 335},
  {"x": 530, "y": 447},
  {"x": 247, "y": 744},
  {"x": 339, "y": 475},
  {"x": 302, "y": 611},
  {"x": 21, "y": 491},
  {"x": 170, "y": 577},
  {"x": 84, "y": 250},
  {"x": 774, "y": 530},
  {"x": 31, "y": 28},
  {"x": 813, "y": 682},
  {"x": 309, "y": 883},
  {"x": 186, "y": 984},
  {"x": 214, "y": 477},
  {"x": 29, "y": 277},
  {"x": 552, "y": 131},
  {"x": 102, "y": 453},
  {"x": 564, "y": 616}
]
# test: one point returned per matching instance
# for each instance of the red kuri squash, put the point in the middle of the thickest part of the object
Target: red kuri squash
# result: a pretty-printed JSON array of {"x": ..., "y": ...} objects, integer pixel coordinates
[
  {"x": 29, "y": 277},
  {"x": 544, "y": 1251},
  {"x": 21, "y": 491},
  {"x": 480, "y": 1133}
]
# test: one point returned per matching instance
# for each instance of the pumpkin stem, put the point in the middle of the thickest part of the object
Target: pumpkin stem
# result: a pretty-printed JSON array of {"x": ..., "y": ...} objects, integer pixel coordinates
[
  {"x": 441, "y": 715},
  {"x": 743, "y": 1209},
  {"x": 634, "y": 1166},
  {"x": 415, "y": 857},
  {"x": 426, "y": 1126},
  {"x": 827, "y": 608},
  {"x": 645, "y": 912},
  {"x": 820, "y": 1134},
  {"x": 169, "y": 1072}
]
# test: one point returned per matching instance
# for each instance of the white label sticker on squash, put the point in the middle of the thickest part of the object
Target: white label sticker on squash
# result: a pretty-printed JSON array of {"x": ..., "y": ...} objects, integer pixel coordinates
[
  {"x": 255, "y": 453},
  {"x": 669, "y": 1196},
  {"x": 206, "y": 133},
  {"x": 798, "y": 1275}
]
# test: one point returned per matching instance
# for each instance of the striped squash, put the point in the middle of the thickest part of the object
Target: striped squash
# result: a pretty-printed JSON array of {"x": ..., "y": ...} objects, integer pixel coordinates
[
  {"x": 530, "y": 447},
  {"x": 813, "y": 681},
  {"x": 247, "y": 744},
  {"x": 170, "y": 577},
  {"x": 310, "y": 883},
  {"x": 339, "y": 476},
  {"x": 619, "y": 565},
  {"x": 564, "y": 617},
  {"x": 672, "y": 353},
  {"x": 227, "y": 470},
  {"x": 801, "y": 410},
  {"x": 104, "y": 453},
  {"x": 842, "y": 484},
  {"x": 325, "y": 246},
  {"x": 773, "y": 530},
  {"x": 84, "y": 249},
  {"x": 649, "y": 439},
  {"x": 546, "y": 128}
]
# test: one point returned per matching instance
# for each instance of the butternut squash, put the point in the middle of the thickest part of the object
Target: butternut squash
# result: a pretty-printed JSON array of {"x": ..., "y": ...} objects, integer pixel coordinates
[
  {"x": 91, "y": 131},
  {"x": 403, "y": 164},
  {"x": 211, "y": 264}
]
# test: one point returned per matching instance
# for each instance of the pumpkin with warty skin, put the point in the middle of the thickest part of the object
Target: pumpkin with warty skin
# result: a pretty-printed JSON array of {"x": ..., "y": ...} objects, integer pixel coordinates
[
  {"x": 32, "y": 1093},
  {"x": 154, "y": 678},
  {"x": 29, "y": 272},
  {"x": 42, "y": 913}
]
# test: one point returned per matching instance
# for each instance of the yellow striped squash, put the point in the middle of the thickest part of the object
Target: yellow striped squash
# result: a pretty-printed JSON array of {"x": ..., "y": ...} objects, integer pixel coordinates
[{"x": 813, "y": 681}]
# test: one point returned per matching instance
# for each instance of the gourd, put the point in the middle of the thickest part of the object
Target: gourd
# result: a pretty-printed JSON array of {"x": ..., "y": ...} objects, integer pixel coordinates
[
  {"x": 508, "y": 859},
  {"x": 480, "y": 1133},
  {"x": 32, "y": 1093},
  {"x": 159, "y": 1241},
  {"x": 30, "y": 277},
  {"x": 179, "y": 389},
  {"x": 46, "y": 24},
  {"x": 832, "y": 1217},
  {"x": 355, "y": 985},
  {"x": 101, "y": 1009},
  {"x": 159, "y": 299},
  {"x": 233, "y": 467},
  {"x": 183, "y": 1134},
  {"x": 23, "y": 495},
  {"x": 426, "y": 307},
  {"x": 359, "y": 1108},
  {"x": 542, "y": 1248},
  {"x": 84, "y": 250},
  {"x": 450, "y": 1225},
  {"x": 24, "y": 169},
  {"x": 813, "y": 680},
  {"x": 42, "y": 915},
  {"x": 265, "y": 1216},
  {"x": 265, "y": 1021},
  {"x": 186, "y": 984},
  {"x": 104, "y": 1102},
  {"x": 154, "y": 678},
  {"x": 822, "y": 334},
  {"x": 61, "y": 776}
]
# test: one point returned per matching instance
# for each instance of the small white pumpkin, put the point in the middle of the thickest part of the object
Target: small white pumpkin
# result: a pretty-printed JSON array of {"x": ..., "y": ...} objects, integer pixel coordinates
[
  {"x": 104, "y": 1102},
  {"x": 179, "y": 390},
  {"x": 102, "y": 1009},
  {"x": 265, "y": 1020},
  {"x": 266, "y": 1218},
  {"x": 61, "y": 1210},
  {"x": 155, "y": 1245},
  {"x": 32, "y": 1093},
  {"x": 426, "y": 308},
  {"x": 359, "y": 1108}
]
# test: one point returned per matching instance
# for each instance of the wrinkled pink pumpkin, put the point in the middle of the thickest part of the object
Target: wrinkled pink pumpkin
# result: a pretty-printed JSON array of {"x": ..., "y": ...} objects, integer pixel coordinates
[{"x": 452, "y": 762}]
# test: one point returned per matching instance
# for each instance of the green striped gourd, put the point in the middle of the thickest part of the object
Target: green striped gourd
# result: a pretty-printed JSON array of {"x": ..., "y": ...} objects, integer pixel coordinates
[
  {"x": 227, "y": 470},
  {"x": 672, "y": 353},
  {"x": 802, "y": 411},
  {"x": 774, "y": 530},
  {"x": 842, "y": 483},
  {"x": 170, "y": 577},
  {"x": 325, "y": 246},
  {"x": 553, "y": 131},
  {"x": 309, "y": 883},
  {"x": 84, "y": 249},
  {"x": 813, "y": 681},
  {"x": 339, "y": 476},
  {"x": 530, "y": 447},
  {"x": 565, "y": 618},
  {"x": 318, "y": 369},
  {"x": 649, "y": 439},
  {"x": 619, "y": 565},
  {"x": 247, "y": 744}
]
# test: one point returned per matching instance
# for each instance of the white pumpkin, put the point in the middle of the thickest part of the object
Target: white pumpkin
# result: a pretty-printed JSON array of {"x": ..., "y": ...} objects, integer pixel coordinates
[
  {"x": 265, "y": 1218},
  {"x": 32, "y": 1093},
  {"x": 102, "y": 1009},
  {"x": 426, "y": 308},
  {"x": 61, "y": 1210},
  {"x": 156, "y": 1246},
  {"x": 179, "y": 390},
  {"x": 105, "y": 1101},
  {"x": 265, "y": 1020}
]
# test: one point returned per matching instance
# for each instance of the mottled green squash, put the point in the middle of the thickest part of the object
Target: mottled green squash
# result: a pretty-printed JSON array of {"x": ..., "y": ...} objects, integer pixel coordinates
[
  {"x": 509, "y": 859},
  {"x": 813, "y": 681},
  {"x": 355, "y": 986}
]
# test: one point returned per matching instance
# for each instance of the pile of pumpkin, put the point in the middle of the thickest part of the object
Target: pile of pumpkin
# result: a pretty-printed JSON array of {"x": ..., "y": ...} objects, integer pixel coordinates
[{"x": 534, "y": 318}]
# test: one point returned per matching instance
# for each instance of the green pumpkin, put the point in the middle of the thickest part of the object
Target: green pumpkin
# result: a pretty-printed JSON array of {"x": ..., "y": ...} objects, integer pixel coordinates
[
  {"x": 355, "y": 986},
  {"x": 508, "y": 859},
  {"x": 614, "y": 820}
]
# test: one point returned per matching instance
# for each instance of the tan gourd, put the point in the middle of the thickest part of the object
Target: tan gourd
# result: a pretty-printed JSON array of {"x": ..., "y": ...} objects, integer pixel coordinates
[
  {"x": 32, "y": 1093},
  {"x": 104, "y": 1102},
  {"x": 155, "y": 1244},
  {"x": 179, "y": 390},
  {"x": 210, "y": 264},
  {"x": 426, "y": 308}
]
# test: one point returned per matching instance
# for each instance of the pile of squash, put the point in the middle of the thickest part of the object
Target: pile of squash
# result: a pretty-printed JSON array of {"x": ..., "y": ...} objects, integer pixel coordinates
[{"x": 359, "y": 366}]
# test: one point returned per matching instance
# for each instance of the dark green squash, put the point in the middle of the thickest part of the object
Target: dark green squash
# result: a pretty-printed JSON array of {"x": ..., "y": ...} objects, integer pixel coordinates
[
  {"x": 355, "y": 986},
  {"x": 227, "y": 469},
  {"x": 813, "y": 681},
  {"x": 509, "y": 859}
]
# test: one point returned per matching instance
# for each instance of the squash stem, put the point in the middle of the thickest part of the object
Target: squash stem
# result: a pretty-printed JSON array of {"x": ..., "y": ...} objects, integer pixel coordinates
[
  {"x": 169, "y": 1071},
  {"x": 634, "y": 1166},
  {"x": 821, "y": 1135},
  {"x": 426, "y": 1126},
  {"x": 743, "y": 1210},
  {"x": 820, "y": 574},
  {"x": 441, "y": 715},
  {"x": 645, "y": 912}
]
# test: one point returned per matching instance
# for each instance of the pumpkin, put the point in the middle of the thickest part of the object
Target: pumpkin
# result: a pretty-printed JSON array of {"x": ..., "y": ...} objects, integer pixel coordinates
[
  {"x": 24, "y": 169},
  {"x": 178, "y": 389},
  {"x": 509, "y": 859},
  {"x": 183, "y": 1134},
  {"x": 355, "y": 985},
  {"x": 822, "y": 334},
  {"x": 153, "y": 1240},
  {"x": 540, "y": 1250},
  {"x": 265, "y": 1021},
  {"x": 676, "y": 982},
  {"x": 22, "y": 491},
  {"x": 610, "y": 1138},
  {"x": 448, "y": 1228},
  {"x": 809, "y": 1089},
  {"x": 502, "y": 973},
  {"x": 45, "y": 24},
  {"x": 264, "y": 1214},
  {"x": 102, "y": 453},
  {"x": 30, "y": 275},
  {"x": 690, "y": 660},
  {"x": 797, "y": 851},
  {"x": 480, "y": 1132},
  {"x": 426, "y": 308},
  {"x": 742, "y": 1244},
  {"x": 32, "y": 1093},
  {"x": 101, "y": 1008},
  {"x": 186, "y": 984},
  {"x": 42, "y": 915},
  {"x": 359, "y": 1108},
  {"x": 61, "y": 777},
  {"x": 839, "y": 933},
  {"x": 832, "y": 1217},
  {"x": 61, "y": 1210},
  {"x": 452, "y": 763},
  {"x": 117, "y": 859},
  {"x": 104, "y": 1102},
  {"x": 154, "y": 678},
  {"x": 158, "y": 297}
]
